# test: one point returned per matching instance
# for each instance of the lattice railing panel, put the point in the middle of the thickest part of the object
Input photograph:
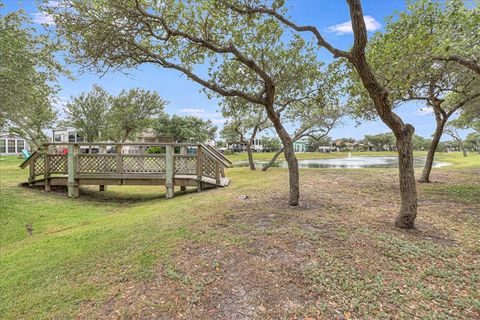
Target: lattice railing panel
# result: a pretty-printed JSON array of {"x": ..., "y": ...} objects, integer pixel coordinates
[
  {"x": 39, "y": 165},
  {"x": 208, "y": 167},
  {"x": 185, "y": 165},
  {"x": 58, "y": 163},
  {"x": 144, "y": 164},
  {"x": 97, "y": 163}
]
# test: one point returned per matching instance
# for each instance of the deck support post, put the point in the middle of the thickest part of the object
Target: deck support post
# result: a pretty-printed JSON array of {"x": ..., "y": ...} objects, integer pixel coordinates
[
  {"x": 169, "y": 166},
  {"x": 118, "y": 152},
  {"x": 31, "y": 175},
  {"x": 46, "y": 171},
  {"x": 218, "y": 179},
  {"x": 103, "y": 150},
  {"x": 73, "y": 189},
  {"x": 183, "y": 151},
  {"x": 199, "y": 167}
]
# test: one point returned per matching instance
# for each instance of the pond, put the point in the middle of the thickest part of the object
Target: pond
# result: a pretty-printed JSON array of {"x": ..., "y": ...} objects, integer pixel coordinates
[{"x": 347, "y": 163}]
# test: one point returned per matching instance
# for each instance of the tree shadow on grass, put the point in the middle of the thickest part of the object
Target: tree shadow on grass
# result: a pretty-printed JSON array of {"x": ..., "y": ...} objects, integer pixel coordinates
[{"x": 88, "y": 193}]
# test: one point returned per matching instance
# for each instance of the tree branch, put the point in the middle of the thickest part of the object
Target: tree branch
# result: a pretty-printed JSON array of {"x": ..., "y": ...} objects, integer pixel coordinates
[
  {"x": 308, "y": 28},
  {"x": 470, "y": 64},
  {"x": 156, "y": 59}
]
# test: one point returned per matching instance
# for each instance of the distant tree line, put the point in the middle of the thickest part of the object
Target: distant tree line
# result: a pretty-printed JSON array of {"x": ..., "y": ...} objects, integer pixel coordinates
[{"x": 100, "y": 116}]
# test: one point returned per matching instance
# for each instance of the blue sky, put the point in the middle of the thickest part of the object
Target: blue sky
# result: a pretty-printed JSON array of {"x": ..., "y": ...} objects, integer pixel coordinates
[{"x": 329, "y": 16}]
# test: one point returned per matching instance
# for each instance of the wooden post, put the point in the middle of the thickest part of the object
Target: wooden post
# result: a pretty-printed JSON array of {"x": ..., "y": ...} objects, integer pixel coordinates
[
  {"x": 217, "y": 173},
  {"x": 183, "y": 151},
  {"x": 31, "y": 176},
  {"x": 73, "y": 190},
  {"x": 169, "y": 171},
  {"x": 46, "y": 171},
  {"x": 102, "y": 150},
  {"x": 118, "y": 150},
  {"x": 199, "y": 167}
]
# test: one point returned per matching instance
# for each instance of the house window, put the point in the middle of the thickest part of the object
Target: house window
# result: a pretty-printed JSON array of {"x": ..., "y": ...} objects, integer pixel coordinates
[
  {"x": 58, "y": 137},
  {"x": 3, "y": 146},
  {"x": 20, "y": 145},
  {"x": 11, "y": 146},
  {"x": 71, "y": 137},
  {"x": 79, "y": 137}
]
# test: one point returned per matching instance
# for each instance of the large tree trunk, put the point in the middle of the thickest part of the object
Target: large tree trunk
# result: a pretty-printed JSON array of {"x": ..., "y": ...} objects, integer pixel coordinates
[
  {"x": 431, "y": 152},
  {"x": 403, "y": 132},
  {"x": 464, "y": 151},
  {"x": 408, "y": 190},
  {"x": 272, "y": 161},
  {"x": 290, "y": 157},
  {"x": 250, "y": 155}
]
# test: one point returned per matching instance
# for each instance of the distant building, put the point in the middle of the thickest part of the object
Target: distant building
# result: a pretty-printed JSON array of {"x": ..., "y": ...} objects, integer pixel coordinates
[
  {"x": 327, "y": 149},
  {"x": 146, "y": 136},
  {"x": 300, "y": 146},
  {"x": 241, "y": 147},
  {"x": 66, "y": 134},
  {"x": 12, "y": 144},
  {"x": 71, "y": 134}
]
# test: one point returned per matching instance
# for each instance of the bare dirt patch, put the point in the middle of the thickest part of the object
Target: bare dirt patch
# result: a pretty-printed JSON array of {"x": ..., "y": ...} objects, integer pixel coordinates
[{"x": 336, "y": 256}]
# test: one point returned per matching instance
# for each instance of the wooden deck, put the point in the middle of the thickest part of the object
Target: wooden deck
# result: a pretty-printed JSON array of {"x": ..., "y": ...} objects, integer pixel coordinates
[{"x": 183, "y": 165}]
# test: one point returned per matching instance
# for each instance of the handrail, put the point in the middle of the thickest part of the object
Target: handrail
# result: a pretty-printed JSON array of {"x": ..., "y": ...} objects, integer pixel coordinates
[
  {"x": 211, "y": 154},
  {"x": 29, "y": 160},
  {"x": 207, "y": 169},
  {"x": 220, "y": 154},
  {"x": 87, "y": 144},
  {"x": 217, "y": 153}
]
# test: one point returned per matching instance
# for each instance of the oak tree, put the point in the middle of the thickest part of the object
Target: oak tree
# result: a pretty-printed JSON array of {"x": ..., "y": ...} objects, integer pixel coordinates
[
  {"x": 131, "y": 112},
  {"x": 405, "y": 59},
  {"x": 377, "y": 92},
  {"x": 28, "y": 75},
  {"x": 107, "y": 34}
]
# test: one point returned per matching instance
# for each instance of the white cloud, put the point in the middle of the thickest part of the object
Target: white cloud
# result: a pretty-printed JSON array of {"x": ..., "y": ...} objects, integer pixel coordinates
[
  {"x": 192, "y": 110},
  {"x": 346, "y": 27},
  {"x": 218, "y": 121},
  {"x": 215, "y": 117},
  {"x": 42, "y": 18},
  {"x": 424, "y": 111}
]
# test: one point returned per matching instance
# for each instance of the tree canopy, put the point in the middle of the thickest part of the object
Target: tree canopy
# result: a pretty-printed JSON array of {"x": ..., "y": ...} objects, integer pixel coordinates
[
  {"x": 101, "y": 116},
  {"x": 88, "y": 113},
  {"x": 28, "y": 73},
  {"x": 184, "y": 129},
  {"x": 406, "y": 61},
  {"x": 131, "y": 112}
]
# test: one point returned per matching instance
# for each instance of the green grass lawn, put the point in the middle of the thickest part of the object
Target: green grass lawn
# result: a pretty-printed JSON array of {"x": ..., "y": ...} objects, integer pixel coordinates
[{"x": 130, "y": 253}]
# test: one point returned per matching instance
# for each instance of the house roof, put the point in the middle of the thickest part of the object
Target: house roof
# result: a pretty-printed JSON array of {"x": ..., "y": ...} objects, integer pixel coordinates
[
  {"x": 64, "y": 128},
  {"x": 10, "y": 135}
]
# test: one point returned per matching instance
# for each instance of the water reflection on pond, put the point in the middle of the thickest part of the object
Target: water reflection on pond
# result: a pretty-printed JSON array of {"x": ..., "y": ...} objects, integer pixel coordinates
[{"x": 347, "y": 162}]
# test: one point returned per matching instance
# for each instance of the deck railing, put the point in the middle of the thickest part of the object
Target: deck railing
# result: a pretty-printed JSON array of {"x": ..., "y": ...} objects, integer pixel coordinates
[{"x": 177, "y": 159}]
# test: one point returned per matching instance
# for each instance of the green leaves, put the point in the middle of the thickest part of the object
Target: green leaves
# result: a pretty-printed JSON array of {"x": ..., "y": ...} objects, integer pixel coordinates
[
  {"x": 411, "y": 58},
  {"x": 184, "y": 129},
  {"x": 28, "y": 72},
  {"x": 100, "y": 116},
  {"x": 131, "y": 112},
  {"x": 88, "y": 113}
]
